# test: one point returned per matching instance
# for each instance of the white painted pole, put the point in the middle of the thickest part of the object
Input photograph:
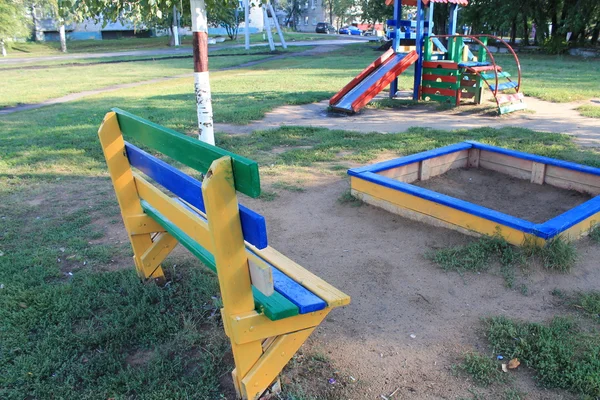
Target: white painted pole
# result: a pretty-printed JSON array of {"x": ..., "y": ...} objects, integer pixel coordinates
[
  {"x": 247, "y": 23},
  {"x": 268, "y": 28},
  {"x": 201, "y": 81},
  {"x": 175, "y": 26},
  {"x": 277, "y": 27}
]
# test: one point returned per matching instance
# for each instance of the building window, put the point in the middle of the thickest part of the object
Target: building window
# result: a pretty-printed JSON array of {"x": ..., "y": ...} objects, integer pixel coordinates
[
  {"x": 314, "y": 20},
  {"x": 312, "y": 4},
  {"x": 305, "y": 20}
]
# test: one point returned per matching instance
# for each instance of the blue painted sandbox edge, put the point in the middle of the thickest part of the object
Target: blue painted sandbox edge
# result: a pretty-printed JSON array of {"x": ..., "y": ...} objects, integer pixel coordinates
[
  {"x": 461, "y": 205},
  {"x": 398, "y": 162},
  {"x": 546, "y": 230},
  {"x": 533, "y": 157}
]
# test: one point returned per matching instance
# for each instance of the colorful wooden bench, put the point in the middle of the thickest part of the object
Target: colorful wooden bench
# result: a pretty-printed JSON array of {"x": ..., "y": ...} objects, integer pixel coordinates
[{"x": 270, "y": 304}]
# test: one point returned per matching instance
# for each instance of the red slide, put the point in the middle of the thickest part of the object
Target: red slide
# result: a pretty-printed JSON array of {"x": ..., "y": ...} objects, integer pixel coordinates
[{"x": 356, "y": 94}]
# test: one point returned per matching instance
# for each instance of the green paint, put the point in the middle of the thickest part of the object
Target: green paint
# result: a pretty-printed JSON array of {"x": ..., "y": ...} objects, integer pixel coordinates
[
  {"x": 275, "y": 307},
  {"x": 481, "y": 54},
  {"x": 440, "y": 98},
  {"x": 428, "y": 49},
  {"x": 189, "y": 151},
  {"x": 440, "y": 71},
  {"x": 441, "y": 85}
]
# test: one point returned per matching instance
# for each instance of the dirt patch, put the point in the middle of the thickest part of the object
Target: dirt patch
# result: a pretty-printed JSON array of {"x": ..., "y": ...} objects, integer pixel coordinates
[
  {"x": 139, "y": 358},
  {"x": 516, "y": 197},
  {"x": 378, "y": 258}
]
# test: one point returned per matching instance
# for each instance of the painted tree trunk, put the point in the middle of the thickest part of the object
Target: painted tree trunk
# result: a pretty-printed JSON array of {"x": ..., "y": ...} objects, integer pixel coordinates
[
  {"x": 201, "y": 81},
  {"x": 63, "y": 38},
  {"x": 175, "y": 27},
  {"x": 246, "y": 25},
  {"x": 3, "y": 48}
]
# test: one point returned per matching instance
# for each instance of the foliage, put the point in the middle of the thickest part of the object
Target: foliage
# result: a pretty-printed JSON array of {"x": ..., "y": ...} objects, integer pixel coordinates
[
  {"x": 558, "y": 254},
  {"x": 482, "y": 369},
  {"x": 13, "y": 21},
  {"x": 591, "y": 111},
  {"x": 375, "y": 11},
  {"x": 227, "y": 17},
  {"x": 562, "y": 354}
]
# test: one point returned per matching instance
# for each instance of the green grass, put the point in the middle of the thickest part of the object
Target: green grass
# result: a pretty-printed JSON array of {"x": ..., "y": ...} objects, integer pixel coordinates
[
  {"x": 290, "y": 187},
  {"x": 482, "y": 369},
  {"x": 25, "y": 86},
  {"x": 556, "y": 78},
  {"x": 557, "y": 255},
  {"x": 74, "y": 327},
  {"x": 595, "y": 234},
  {"x": 346, "y": 198},
  {"x": 562, "y": 354},
  {"x": 589, "y": 110}
]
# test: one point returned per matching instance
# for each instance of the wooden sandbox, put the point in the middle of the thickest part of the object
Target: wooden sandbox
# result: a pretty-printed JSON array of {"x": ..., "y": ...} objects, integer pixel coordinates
[{"x": 394, "y": 185}]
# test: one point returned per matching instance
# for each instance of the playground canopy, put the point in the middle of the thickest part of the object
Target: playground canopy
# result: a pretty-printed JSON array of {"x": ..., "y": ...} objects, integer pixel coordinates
[{"x": 426, "y": 2}]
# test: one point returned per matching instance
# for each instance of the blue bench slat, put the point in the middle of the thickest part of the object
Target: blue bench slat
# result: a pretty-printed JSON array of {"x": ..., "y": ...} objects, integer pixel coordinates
[
  {"x": 254, "y": 226},
  {"x": 505, "y": 85},
  {"x": 301, "y": 297}
]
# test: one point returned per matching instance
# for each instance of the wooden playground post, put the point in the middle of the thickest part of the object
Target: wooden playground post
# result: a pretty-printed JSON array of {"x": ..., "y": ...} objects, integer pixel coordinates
[{"x": 419, "y": 46}]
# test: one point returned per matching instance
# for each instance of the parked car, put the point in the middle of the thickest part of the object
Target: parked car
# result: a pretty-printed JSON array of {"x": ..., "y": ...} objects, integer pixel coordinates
[
  {"x": 350, "y": 30},
  {"x": 324, "y": 27}
]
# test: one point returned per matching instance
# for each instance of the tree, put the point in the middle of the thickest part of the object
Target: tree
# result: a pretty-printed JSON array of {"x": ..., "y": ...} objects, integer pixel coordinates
[
  {"x": 375, "y": 11},
  {"x": 13, "y": 22},
  {"x": 227, "y": 17}
]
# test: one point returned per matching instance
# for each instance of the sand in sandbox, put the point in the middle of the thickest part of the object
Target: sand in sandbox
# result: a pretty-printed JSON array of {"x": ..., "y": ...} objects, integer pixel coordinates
[{"x": 517, "y": 197}]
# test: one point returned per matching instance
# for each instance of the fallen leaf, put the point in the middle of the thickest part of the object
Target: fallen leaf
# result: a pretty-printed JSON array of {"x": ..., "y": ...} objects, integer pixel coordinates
[{"x": 514, "y": 363}]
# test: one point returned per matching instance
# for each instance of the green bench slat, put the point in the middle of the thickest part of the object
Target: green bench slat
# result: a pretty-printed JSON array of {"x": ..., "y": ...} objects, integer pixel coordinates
[
  {"x": 437, "y": 97},
  {"x": 274, "y": 307},
  {"x": 189, "y": 151},
  {"x": 442, "y": 85}
]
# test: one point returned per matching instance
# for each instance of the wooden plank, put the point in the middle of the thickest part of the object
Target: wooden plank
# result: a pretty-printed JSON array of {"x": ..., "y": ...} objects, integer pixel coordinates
[
  {"x": 291, "y": 290},
  {"x": 443, "y": 168},
  {"x": 440, "y": 64},
  {"x": 403, "y": 173},
  {"x": 141, "y": 224},
  {"x": 466, "y": 95},
  {"x": 440, "y": 72},
  {"x": 334, "y": 297},
  {"x": 122, "y": 178},
  {"x": 506, "y": 160},
  {"x": 572, "y": 180},
  {"x": 450, "y": 158},
  {"x": 582, "y": 228},
  {"x": 512, "y": 107},
  {"x": 440, "y": 78},
  {"x": 473, "y": 158},
  {"x": 438, "y": 92},
  {"x": 274, "y": 307},
  {"x": 441, "y": 85},
  {"x": 538, "y": 173},
  {"x": 505, "y": 169},
  {"x": 261, "y": 276},
  {"x": 189, "y": 189},
  {"x": 508, "y": 98},
  {"x": 425, "y": 169},
  {"x": 189, "y": 151},
  {"x": 441, "y": 99},
  {"x": 434, "y": 210},
  {"x": 162, "y": 246}
]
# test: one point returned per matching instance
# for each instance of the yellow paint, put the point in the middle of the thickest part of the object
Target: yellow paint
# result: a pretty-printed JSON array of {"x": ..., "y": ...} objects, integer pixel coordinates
[
  {"x": 243, "y": 328},
  {"x": 121, "y": 175},
  {"x": 190, "y": 223},
  {"x": 582, "y": 228},
  {"x": 333, "y": 296},
  {"x": 229, "y": 251},
  {"x": 441, "y": 212},
  {"x": 162, "y": 245},
  {"x": 272, "y": 362},
  {"x": 141, "y": 224}
]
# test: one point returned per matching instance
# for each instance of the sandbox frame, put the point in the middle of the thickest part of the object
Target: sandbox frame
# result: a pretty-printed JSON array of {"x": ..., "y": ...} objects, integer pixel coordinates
[{"x": 388, "y": 185}]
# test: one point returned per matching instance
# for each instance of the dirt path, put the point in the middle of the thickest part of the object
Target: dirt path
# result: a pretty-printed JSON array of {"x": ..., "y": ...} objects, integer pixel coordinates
[
  {"x": 80, "y": 95},
  {"x": 546, "y": 116}
]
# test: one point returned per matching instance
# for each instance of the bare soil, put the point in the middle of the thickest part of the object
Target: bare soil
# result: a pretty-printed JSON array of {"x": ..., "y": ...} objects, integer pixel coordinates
[
  {"x": 517, "y": 197},
  {"x": 379, "y": 259}
]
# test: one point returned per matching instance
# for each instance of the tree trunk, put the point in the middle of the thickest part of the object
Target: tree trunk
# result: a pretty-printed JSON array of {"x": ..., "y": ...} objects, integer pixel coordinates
[
  {"x": 175, "y": 27},
  {"x": 513, "y": 31},
  {"x": 525, "y": 31},
  {"x": 330, "y": 12},
  {"x": 201, "y": 80},
  {"x": 596, "y": 34},
  {"x": 63, "y": 38},
  {"x": 34, "y": 25},
  {"x": 3, "y": 48}
]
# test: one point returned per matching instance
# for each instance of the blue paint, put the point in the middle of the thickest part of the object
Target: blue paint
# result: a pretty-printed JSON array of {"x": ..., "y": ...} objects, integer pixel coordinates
[
  {"x": 546, "y": 230},
  {"x": 505, "y": 86},
  {"x": 304, "y": 299},
  {"x": 461, "y": 205},
  {"x": 474, "y": 64},
  {"x": 398, "y": 162},
  {"x": 419, "y": 43},
  {"x": 254, "y": 226}
]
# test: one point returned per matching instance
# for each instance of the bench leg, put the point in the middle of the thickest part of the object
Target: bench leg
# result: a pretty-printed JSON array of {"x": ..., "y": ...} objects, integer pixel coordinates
[{"x": 120, "y": 172}]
